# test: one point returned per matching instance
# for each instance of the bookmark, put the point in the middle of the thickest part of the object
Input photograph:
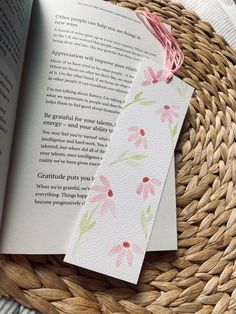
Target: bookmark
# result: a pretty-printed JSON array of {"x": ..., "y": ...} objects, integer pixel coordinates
[{"x": 115, "y": 224}]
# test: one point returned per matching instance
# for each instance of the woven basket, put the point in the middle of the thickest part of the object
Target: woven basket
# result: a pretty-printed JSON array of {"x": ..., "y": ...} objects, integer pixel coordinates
[{"x": 201, "y": 276}]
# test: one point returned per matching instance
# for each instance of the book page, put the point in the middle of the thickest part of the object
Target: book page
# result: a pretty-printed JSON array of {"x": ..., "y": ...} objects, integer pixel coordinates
[
  {"x": 164, "y": 231},
  {"x": 82, "y": 58},
  {"x": 14, "y": 21}
]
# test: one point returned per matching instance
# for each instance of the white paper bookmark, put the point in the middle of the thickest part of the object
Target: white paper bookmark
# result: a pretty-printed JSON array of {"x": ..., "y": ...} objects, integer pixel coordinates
[{"x": 115, "y": 224}]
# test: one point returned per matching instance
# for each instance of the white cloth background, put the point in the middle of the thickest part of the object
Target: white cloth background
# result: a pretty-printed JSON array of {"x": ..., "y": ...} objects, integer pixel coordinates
[{"x": 221, "y": 14}]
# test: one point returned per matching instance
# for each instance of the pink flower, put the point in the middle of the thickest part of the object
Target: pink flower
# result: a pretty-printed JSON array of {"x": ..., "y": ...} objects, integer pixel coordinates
[
  {"x": 138, "y": 136},
  {"x": 168, "y": 113},
  {"x": 147, "y": 186},
  {"x": 151, "y": 77},
  {"x": 125, "y": 250},
  {"x": 104, "y": 197}
]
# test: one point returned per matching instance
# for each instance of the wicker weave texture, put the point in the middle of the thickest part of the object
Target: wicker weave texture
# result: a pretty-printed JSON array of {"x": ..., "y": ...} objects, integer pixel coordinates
[{"x": 201, "y": 276}]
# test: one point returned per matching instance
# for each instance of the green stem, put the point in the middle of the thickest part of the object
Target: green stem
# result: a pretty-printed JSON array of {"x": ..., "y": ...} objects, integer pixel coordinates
[
  {"x": 130, "y": 103},
  {"x": 119, "y": 160},
  {"x": 92, "y": 212},
  {"x": 145, "y": 231},
  {"x": 171, "y": 133},
  {"x": 78, "y": 243}
]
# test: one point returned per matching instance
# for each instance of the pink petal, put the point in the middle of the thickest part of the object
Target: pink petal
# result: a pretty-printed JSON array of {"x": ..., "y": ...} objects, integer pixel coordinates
[
  {"x": 120, "y": 257},
  {"x": 138, "y": 142},
  {"x": 99, "y": 189},
  {"x": 163, "y": 116},
  {"x": 133, "y": 137},
  {"x": 151, "y": 189},
  {"x": 145, "y": 83},
  {"x": 133, "y": 129},
  {"x": 116, "y": 249},
  {"x": 147, "y": 76},
  {"x": 152, "y": 73},
  {"x": 145, "y": 192},
  {"x": 136, "y": 249},
  {"x": 113, "y": 209},
  {"x": 108, "y": 205},
  {"x": 105, "y": 182},
  {"x": 169, "y": 116},
  {"x": 145, "y": 145},
  {"x": 129, "y": 257},
  {"x": 175, "y": 114},
  {"x": 103, "y": 210},
  {"x": 162, "y": 78},
  {"x": 139, "y": 188},
  {"x": 159, "y": 74},
  {"x": 98, "y": 198},
  {"x": 156, "y": 182}
]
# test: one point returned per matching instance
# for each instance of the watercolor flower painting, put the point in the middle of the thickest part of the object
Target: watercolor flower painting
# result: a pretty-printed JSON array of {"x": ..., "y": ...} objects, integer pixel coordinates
[
  {"x": 125, "y": 250},
  {"x": 168, "y": 113},
  {"x": 151, "y": 77},
  {"x": 146, "y": 186},
  {"x": 104, "y": 197},
  {"x": 138, "y": 136}
]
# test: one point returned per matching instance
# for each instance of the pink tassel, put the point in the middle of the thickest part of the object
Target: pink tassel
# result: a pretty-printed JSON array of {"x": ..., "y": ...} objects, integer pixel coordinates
[{"x": 174, "y": 56}]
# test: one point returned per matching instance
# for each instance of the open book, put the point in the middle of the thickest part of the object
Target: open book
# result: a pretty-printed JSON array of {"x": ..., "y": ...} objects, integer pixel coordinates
[{"x": 66, "y": 94}]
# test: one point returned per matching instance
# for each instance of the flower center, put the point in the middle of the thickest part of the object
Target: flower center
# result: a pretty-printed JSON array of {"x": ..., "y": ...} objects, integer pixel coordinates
[
  {"x": 142, "y": 133},
  {"x": 166, "y": 107},
  {"x": 110, "y": 193},
  {"x": 145, "y": 179},
  {"x": 126, "y": 244}
]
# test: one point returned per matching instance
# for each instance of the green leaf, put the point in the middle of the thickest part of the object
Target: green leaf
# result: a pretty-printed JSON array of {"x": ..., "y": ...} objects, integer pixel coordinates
[
  {"x": 90, "y": 226},
  {"x": 149, "y": 210},
  {"x": 182, "y": 89},
  {"x": 147, "y": 102},
  {"x": 143, "y": 221},
  {"x": 138, "y": 157},
  {"x": 174, "y": 130},
  {"x": 138, "y": 96},
  {"x": 133, "y": 164},
  {"x": 123, "y": 154},
  {"x": 179, "y": 91},
  {"x": 84, "y": 218},
  {"x": 83, "y": 227},
  {"x": 185, "y": 88},
  {"x": 150, "y": 217}
]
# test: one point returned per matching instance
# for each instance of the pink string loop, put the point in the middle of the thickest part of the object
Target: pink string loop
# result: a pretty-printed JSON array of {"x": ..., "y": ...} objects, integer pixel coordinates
[{"x": 174, "y": 56}]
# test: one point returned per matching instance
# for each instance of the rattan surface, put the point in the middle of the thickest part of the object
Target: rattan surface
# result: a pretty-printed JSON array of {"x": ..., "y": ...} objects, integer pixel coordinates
[{"x": 201, "y": 276}]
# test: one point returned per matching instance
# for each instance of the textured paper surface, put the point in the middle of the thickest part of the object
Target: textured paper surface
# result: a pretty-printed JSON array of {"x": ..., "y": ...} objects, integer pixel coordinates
[{"x": 115, "y": 224}]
